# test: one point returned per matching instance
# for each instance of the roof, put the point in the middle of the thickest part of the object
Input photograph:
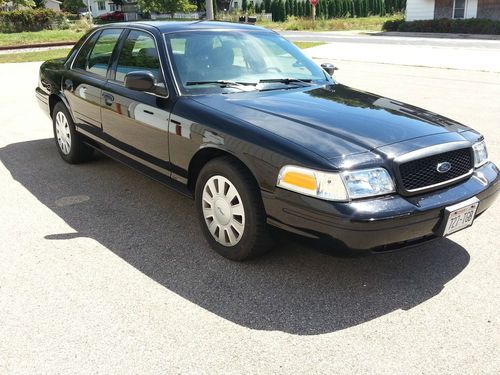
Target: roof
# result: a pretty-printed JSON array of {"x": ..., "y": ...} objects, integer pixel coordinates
[{"x": 173, "y": 26}]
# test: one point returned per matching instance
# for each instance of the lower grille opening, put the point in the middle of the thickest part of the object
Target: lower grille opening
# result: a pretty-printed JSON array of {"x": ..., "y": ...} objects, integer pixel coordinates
[{"x": 405, "y": 244}]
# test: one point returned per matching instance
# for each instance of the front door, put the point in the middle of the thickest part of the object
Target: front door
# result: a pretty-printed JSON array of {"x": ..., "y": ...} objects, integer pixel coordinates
[{"x": 136, "y": 121}]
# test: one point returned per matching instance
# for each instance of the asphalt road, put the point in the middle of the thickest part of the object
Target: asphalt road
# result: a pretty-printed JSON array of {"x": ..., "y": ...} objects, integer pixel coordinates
[{"x": 103, "y": 270}]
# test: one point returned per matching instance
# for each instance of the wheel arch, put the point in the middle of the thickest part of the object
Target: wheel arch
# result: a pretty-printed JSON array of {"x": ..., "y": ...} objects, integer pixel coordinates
[
  {"x": 56, "y": 98},
  {"x": 206, "y": 154}
]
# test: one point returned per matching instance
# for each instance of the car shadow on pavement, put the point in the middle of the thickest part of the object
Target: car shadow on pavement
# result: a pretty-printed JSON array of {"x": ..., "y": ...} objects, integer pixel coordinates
[{"x": 296, "y": 288}]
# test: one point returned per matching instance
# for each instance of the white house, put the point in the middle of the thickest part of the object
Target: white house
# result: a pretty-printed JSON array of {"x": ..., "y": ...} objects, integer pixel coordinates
[
  {"x": 435, "y": 9},
  {"x": 53, "y": 4},
  {"x": 100, "y": 7}
]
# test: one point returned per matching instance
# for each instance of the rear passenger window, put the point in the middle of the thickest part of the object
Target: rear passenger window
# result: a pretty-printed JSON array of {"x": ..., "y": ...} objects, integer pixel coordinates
[
  {"x": 138, "y": 53},
  {"x": 95, "y": 56},
  {"x": 81, "y": 59}
]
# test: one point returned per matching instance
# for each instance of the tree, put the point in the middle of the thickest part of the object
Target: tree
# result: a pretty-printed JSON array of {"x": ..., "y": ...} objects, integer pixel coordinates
[
  {"x": 251, "y": 8},
  {"x": 244, "y": 5},
  {"x": 72, "y": 6},
  {"x": 166, "y": 6},
  {"x": 274, "y": 10},
  {"x": 267, "y": 6},
  {"x": 23, "y": 3},
  {"x": 282, "y": 10},
  {"x": 39, "y": 3}
]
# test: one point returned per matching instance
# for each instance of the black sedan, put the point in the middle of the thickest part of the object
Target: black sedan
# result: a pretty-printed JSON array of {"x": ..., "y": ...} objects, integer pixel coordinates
[{"x": 238, "y": 118}]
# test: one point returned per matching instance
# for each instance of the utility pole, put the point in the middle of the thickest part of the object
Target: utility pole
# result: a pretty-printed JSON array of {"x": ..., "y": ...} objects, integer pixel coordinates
[
  {"x": 89, "y": 10},
  {"x": 209, "y": 6}
]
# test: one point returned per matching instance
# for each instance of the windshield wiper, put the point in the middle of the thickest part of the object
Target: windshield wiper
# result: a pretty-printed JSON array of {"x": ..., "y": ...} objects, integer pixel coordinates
[
  {"x": 287, "y": 81},
  {"x": 223, "y": 83}
]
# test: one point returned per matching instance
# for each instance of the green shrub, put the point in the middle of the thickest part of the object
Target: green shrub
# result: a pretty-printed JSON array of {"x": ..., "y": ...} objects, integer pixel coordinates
[
  {"x": 72, "y": 16},
  {"x": 72, "y": 6},
  {"x": 31, "y": 20},
  {"x": 392, "y": 25},
  {"x": 454, "y": 26},
  {"x": 329, "y": 9}
]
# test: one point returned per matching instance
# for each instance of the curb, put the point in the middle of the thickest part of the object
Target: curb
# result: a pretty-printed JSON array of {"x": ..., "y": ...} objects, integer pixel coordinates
[{"x": 37, "y": 45}]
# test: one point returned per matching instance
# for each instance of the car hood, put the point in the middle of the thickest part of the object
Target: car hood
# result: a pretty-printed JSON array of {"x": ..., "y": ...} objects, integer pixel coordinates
[{"x": 332, "y": 121}]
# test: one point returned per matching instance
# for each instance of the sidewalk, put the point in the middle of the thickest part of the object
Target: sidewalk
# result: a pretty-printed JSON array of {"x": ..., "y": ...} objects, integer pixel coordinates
[
  {"x": 464, "y": 58},
  {"x": 435, "y": 35}
]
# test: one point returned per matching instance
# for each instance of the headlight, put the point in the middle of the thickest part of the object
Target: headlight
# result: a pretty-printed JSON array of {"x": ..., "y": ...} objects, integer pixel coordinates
[
  {"x": 368, "y": 182},
  {"x": 480, "y": 154},
  {"x": 318, "y": 184},
  {"x": 336, "y": 186}
]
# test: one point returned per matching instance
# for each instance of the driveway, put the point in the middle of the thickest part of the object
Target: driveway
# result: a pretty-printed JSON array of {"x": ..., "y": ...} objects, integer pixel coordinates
[{"x": 103, "y": 270}]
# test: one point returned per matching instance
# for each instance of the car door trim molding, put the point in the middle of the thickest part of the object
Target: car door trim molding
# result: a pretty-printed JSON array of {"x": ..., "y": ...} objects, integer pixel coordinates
[
  {"x": 157, "y": 168},
  {"x": 160, "y": 165},
  {"x": 174, "y": 77}
]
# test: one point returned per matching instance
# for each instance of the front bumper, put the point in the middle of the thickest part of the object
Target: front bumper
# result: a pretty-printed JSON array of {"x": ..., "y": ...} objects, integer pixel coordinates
[{"x": 379, "y": 223}]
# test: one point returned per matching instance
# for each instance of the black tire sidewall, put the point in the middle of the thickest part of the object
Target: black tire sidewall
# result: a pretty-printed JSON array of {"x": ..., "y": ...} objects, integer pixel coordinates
[{"x": 78, "y": 151}]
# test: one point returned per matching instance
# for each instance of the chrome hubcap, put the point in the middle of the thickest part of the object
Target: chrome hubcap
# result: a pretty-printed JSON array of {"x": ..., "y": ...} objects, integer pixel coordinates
[
  {"x": 223, "y": 211},
  {"x": 63, "y": 134}
]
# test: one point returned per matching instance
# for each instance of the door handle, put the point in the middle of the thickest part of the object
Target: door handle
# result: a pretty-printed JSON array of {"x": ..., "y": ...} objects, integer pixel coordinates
[
  {"x": 68, "y": 85},
  {"x": 108, "y": 98}
]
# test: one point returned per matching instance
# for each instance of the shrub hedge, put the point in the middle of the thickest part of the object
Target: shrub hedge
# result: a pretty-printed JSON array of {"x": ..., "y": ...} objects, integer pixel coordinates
[
  {"x": 454, "y": 26},
  {"x": 31, "y": 20},
  {"x": 328, "y": 9}
]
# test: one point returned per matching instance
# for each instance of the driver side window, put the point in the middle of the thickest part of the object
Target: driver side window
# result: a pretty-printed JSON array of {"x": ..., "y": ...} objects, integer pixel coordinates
[{"x": 138, "y": 53}]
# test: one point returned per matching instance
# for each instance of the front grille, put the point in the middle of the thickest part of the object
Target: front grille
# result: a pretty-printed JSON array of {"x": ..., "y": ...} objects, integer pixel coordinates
[{"x": 421, "y": 173}]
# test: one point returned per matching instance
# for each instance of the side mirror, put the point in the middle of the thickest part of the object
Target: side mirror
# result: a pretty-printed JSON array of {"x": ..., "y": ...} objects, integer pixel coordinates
[
  {"x": 140, "y": 81},
  {"x": 329, "y": 68}
]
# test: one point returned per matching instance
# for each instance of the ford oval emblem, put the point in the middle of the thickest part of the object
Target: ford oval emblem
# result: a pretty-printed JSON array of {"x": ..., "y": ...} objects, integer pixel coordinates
[{"x": 443, "y": 167}]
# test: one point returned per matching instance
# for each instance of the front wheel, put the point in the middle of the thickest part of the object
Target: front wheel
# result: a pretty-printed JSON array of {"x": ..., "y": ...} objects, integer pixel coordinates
[{"x": 231, "y": 211}]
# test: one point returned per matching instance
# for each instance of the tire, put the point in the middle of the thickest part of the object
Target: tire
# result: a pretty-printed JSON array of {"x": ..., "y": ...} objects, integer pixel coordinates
[
  {"x": 68, "y": 142},
  {"x": 233, "y": 219}
]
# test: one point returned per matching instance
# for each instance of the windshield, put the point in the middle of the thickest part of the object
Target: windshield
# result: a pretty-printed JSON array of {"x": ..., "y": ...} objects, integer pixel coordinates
[{"x": 212, "y": 61}]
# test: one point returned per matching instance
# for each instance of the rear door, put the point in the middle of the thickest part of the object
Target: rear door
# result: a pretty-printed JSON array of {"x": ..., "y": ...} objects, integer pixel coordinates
[
  {"x": 85, "y": 80},
  {"x": 137, "y": 121}
]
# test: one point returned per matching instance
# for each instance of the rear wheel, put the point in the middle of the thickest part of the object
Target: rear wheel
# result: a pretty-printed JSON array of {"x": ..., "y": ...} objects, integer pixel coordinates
[
  {"x": 231, "y": 211},
  {"x": 69, "y": 143}
]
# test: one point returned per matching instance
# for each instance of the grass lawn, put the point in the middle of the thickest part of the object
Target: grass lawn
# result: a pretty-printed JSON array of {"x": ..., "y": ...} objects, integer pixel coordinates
[
  {"x": 44, "y": 36},
  {"x": 63, "y": 52},
  {"x": 34, "y": 56},
  {"x": 337, "y": 24},
  {"x": 303, "y": 45},
  {"x": 72, "y": 35}
]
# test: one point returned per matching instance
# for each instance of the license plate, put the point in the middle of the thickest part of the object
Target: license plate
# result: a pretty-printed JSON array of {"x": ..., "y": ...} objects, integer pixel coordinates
[{"x": 460, "y": 216}]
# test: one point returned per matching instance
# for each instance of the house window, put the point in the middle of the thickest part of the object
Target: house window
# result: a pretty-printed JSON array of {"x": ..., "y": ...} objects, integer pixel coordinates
[
  {"x": 101, "y": 5},
  {"x": 112, "y": 7},
  {"x": 459, "y": 8}
]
